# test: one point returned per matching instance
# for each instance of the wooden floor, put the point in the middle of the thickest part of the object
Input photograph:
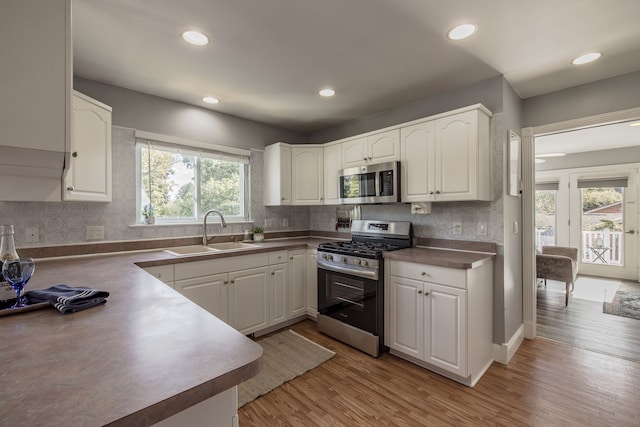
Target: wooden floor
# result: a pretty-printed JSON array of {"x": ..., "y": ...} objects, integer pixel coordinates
[
  {"x": 583, "y": 324},
  {"x": 546, "y": 384}
]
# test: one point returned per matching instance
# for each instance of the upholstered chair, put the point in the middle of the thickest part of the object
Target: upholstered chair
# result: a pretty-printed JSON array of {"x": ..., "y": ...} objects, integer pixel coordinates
[{"x": 558, "y": 263}]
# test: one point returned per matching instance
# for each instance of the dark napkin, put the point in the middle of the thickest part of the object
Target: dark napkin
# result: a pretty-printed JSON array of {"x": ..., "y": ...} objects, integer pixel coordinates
[{"x": 68, "y": 299}]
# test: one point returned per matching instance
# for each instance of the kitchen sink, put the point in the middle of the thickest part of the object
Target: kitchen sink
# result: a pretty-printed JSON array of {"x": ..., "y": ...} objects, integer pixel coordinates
[
  {"x": 190, "y": 250},
  {"x": 212, "y": 248},
  {"x": 226, "y": 246}
]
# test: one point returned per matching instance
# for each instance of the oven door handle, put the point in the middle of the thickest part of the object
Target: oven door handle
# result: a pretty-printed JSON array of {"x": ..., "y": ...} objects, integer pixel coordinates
[{"x": 368, "y": 274}]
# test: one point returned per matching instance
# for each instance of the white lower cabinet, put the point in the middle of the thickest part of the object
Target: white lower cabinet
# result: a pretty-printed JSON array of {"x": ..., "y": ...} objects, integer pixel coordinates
[
  {"x": 441, "y": 318},
  {"x": 249, "y": 300},
  {"x": 162, "y": 272},
  {"x": 312, "y": 283},
  {"x": 278, "y": 293},
  {"x": 249, "y": 292},
  {"x": 297, "y": 283}
]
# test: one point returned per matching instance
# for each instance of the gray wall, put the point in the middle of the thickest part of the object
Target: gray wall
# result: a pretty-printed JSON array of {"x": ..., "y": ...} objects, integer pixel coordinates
[
  {"x": 604, "y": 96},
  {"x": 488, "y": 93},
  {"x": 150, "y": 113}
]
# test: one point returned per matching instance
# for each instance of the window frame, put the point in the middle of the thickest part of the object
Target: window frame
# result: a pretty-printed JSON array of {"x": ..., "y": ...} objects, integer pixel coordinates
[{"x": 199, "y": 151}]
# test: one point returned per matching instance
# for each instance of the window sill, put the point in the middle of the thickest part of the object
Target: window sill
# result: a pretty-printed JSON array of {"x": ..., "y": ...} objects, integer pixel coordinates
[{"x": 184, "y": 224}]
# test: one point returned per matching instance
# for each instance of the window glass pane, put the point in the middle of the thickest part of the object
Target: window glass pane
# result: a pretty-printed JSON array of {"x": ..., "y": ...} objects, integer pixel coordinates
[
  {"x": 545, "y": 218},
  {"x": 221, "y": 188},
  {"x": 168, "y": 183},
  {"x": 602, "y": 225}
]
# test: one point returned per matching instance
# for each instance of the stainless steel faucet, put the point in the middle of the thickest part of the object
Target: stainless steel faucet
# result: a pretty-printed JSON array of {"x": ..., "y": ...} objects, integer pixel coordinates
[{"x": 223, "y": 223}]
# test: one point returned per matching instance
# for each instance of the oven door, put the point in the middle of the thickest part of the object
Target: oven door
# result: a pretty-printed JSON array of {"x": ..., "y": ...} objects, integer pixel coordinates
[{"x": 350, "y": 299}]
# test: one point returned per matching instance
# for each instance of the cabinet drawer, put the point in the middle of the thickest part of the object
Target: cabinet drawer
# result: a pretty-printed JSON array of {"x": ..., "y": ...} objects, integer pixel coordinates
[
  {"x": 278, "y": 257},
  {"x": 430, "y": 273},
  {"x": 162, "y": 272}
]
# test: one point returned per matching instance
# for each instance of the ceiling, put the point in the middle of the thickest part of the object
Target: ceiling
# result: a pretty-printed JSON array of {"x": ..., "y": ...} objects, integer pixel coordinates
[
  {"x": 618, "y": 135},
  {"x": 268, "y": 59}
]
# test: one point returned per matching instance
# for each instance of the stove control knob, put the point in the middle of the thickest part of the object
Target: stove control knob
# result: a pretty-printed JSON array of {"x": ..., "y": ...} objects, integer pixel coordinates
[
  {"x": 365, "y": 263},
  {"x": 358, "y": 261},
  {"x": 345, "y": 260}
]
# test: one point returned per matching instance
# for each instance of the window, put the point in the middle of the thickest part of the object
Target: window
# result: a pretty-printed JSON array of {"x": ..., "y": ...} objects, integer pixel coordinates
[
  {"x": 545, "y": 203},
  {"x": 178, "y": 184}
]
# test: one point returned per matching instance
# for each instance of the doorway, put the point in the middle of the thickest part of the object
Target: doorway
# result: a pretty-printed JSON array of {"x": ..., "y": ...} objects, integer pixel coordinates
[{"x": 528, "y": 200}]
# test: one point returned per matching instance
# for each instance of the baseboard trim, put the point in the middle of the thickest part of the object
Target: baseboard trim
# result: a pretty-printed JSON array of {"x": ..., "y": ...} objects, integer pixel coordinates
[{"x": 502, "y": 353}]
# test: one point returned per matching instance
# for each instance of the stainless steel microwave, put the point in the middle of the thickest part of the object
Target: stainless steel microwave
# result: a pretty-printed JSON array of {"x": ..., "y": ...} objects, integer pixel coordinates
[{"x": 376, "y": 183}]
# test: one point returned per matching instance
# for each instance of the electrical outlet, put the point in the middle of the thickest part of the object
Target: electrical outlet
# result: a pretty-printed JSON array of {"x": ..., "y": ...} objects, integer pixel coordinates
[
  {"x": 95, "y": 232},
  {"x": 457, "y": 228},
  {"x": 285, "y": 222},
  {"x": 482, "y": 229},
  {"x": 33, "y": 235}
]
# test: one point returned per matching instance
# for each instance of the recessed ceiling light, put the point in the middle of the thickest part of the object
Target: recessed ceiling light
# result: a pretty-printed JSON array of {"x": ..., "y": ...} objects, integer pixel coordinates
[
  {"x": 461, "y": 31},
  {"x": 635, "y": 124},
  {"x": 551, "y": 155},
  {"x": 540, "y": 160},
  {"x": 210, "y": 100},
  {"x": 586, "y": 58},
  {"x": 195, "y": 37},
  {"x": 327, "y": 92}
]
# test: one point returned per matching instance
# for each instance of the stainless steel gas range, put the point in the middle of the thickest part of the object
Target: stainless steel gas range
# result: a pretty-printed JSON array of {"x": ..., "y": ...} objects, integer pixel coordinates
[{"x": 351, "y": 283}]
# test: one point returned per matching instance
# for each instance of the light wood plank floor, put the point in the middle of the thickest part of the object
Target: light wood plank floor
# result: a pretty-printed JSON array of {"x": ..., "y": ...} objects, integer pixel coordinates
[
  {"x": 546, "y": 384},
  {"x": 583, "y": 324}
]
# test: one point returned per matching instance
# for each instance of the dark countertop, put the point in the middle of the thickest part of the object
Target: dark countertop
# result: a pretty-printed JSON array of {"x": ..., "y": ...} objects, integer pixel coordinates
[
  {"x": 441, "y": 257},
  {"x": 145, "y": 355}
]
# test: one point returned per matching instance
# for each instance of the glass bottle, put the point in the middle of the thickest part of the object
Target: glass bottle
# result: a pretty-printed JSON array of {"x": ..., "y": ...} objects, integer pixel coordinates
[{"x": 7, "y": 244}]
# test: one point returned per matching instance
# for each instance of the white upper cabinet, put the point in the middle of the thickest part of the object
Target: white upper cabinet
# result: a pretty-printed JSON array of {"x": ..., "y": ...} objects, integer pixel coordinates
[
  {"x": 377, "y": 148},
  {"x": 307, "y": 175},
  {"x": 332, "y": 164},
  {"x": 88, "y": 177},
  {"x": 293, "y": 174},
  {"x": 447, "y": 159},
  {"x": 277, "y": 174},
  {"x": 35, "y": 98}
]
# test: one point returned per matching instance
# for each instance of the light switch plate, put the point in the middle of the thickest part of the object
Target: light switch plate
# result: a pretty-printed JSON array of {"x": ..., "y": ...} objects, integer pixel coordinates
[
  {"x": 456, "y": 228},
  {"x": 482, "y": 229},
  {"x": 33, "y": 235}
]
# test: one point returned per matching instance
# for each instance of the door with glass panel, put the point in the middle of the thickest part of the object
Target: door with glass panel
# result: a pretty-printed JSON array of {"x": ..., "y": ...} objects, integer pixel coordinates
[{"x": 603, "y": 223}]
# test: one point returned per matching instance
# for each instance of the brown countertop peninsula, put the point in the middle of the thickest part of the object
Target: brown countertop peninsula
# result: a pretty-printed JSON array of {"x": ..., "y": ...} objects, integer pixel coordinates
[{"x": 147, "y": 354}]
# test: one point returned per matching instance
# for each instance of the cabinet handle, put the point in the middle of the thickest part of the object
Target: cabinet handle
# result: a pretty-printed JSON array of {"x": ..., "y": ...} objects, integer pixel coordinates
[
  {"x": 426, "y": 293},
  {"x": 430, "y": 192},
  {"x": 438, "y": 192},
  {"x": 74, "y": 154},
  {"x": 226, "y": 282},
  {"x": 273, "y": 273},
  {"x": 233, "y": 281},
  {"x": 364, "y": 158},
  {"x": 419, "y": 291},
  {"x": 70, "y": 188},
  {"x": 423, "y": 273},
  {"x": 291, "y": 258}
]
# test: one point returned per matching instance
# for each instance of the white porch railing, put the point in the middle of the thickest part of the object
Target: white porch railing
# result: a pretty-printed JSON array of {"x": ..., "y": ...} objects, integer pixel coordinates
[{"x": 602, "y": 247}]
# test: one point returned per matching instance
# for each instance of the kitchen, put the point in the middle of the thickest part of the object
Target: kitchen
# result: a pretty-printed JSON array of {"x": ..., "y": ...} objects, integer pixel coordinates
[{"x": 59, "y": 222}]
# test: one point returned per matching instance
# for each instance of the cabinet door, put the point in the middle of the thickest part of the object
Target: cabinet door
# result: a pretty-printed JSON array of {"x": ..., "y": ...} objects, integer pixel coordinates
[
  {"x": 354, "y": 152},
  {"x": 88, "y": 177},
  {"x": 417, "y": 148},
  {"x": 332, "y": 166},
  {"x": 312, "y": 283},
  {"x": 384, "y": 146},
  {"x": 278, "y": 275},
  {"x": 209, "y": 292},
  {"x": 277, "y": 175},
  {"x": 445, "y": 328},
  {"x": 456, "y": 157},
  {"x": 307, "y": 175},
  {"x": 297, "y": 283},
  {"x": 249, "y": 300},
  {"x": 406, "y": 311}
]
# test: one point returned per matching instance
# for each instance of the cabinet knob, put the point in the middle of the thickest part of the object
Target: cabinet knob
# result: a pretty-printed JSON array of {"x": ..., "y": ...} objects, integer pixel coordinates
[
  {"x": 226, "y": 282},
  {"x": 424, "y": 273},
  {"x": 233, "y": 281},
  {"x": 430, "y": 192},
  {"x": 273, "y": 273},
  {"x": 291, "y": 258},
  {"x": 426, "y": 293},
  {"x": 158, "y": 275},
  {"x": 70, "y": 188},
  {"x": 419, "y": 291},
  {"x": 283, "y": 199},
  {"x": 74, "y": 154},
  {"x": 438, "y": 192}
]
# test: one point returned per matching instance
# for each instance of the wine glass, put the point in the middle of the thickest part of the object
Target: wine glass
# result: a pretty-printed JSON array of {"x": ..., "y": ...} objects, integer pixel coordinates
[{"x": 18, "y": 272}]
